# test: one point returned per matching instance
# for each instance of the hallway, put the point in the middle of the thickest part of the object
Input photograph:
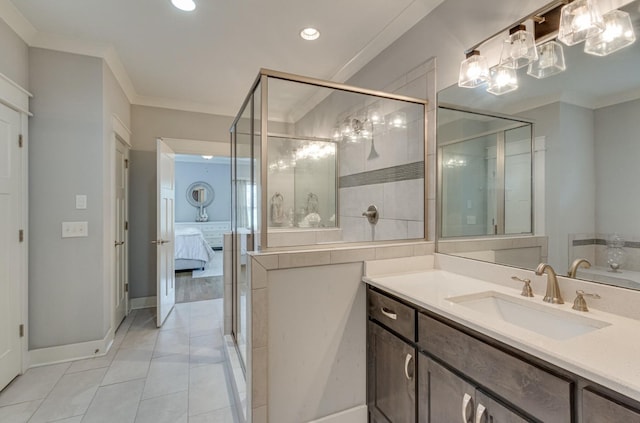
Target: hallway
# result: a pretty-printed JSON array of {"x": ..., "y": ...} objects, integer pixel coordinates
[{"x": 176, "y": 374}]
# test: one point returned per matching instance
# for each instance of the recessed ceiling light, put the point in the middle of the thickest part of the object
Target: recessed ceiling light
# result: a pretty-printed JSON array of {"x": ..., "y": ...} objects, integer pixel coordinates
[
  {"x": 207, "y": 157},
  {"x": 186, "y": 5},
  {"x": 310, "y": 34}
]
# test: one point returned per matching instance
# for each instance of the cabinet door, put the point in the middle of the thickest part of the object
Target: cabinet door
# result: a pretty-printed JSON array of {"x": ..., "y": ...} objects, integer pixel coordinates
[
  {"x": 391, "y": 377},
  {"x": 490, "y": 411},
  {"x": 444, "y": 397},
  {"x": 597, "y": 409}
]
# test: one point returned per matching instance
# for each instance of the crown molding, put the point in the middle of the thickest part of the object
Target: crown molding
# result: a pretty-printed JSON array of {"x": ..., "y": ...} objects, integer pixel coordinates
[
  {"x": 187, "y": 106},
  {"x": 16, "y": 21}
]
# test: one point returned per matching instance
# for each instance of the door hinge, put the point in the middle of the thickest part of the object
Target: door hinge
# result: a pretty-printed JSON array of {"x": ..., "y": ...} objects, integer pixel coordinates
[
  {"x": 21, "y": 235},
  {"x": 20, "y": 140},
  {"x": 126, "y": 287},
  {"x": 126, "y": 226},
  {"x": 21, "y": 330},
  {"x": 126, "y": 163}
]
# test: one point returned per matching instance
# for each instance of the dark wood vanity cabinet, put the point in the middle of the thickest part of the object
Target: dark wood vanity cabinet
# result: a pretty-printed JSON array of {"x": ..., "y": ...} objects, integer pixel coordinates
[
  {"x": 391, "y": 378},
  {"x": 598, "y": 409},
  {"x": 459, "y": 375},
  {"x": 391, "y": 360},
  {"x": 444, "y": 396}
]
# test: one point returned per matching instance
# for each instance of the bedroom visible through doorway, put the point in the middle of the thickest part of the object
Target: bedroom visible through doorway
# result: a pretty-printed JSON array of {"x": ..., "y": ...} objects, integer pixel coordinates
[{"x": 202, "y": 217}]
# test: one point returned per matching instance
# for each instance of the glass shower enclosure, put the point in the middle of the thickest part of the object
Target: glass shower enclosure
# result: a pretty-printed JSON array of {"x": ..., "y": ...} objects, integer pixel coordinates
[{"x": 309, "y": 158}]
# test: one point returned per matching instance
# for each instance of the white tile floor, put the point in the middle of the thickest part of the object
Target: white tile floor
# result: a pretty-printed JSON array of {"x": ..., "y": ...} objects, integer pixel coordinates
[{"x": 176, "y": 374}]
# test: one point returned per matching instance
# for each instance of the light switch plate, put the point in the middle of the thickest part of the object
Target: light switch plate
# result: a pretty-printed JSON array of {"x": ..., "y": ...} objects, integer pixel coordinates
[
  {"x": 75, "y": 229},
  {"x": 81, "y": 202}
]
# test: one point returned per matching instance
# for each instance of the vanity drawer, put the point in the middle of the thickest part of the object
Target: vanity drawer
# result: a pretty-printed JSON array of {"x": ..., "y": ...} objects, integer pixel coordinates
[
  {"x": 533, "y": 390},
  {"x": 393, "y": 314},
  {"x": 596, "y": 409}
]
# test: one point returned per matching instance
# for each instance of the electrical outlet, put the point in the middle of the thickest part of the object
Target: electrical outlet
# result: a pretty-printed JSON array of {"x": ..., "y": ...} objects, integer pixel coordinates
[{"x": 75, "y": 229}]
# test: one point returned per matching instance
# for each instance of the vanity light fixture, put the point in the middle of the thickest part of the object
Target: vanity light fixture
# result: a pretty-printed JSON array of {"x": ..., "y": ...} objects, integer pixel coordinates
[
  {"x": 618, "y": 33},
  {"x": 503, "y": 79},
  {"x": 579, "y": 20},
  {"x": 473, "y": 70},
  {"x": 550, "y": 61},
  {"x": 185, "y": 5},
  {"x": 519, "y": 49},
  {"x": 310, "y": 34}
]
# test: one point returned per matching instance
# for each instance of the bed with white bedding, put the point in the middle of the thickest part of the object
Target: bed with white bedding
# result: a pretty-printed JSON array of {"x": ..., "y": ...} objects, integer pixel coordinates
[{"x": 191, "y": 249}]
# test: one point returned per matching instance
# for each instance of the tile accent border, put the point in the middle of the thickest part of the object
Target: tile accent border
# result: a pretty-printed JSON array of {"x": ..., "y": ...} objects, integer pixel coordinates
[
  {"x": 398, "y": 173},
  {"x": 600, "y": 241}
]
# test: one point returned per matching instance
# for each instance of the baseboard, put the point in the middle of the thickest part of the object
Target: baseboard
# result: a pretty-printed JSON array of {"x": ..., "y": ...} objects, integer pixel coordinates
[
  {"x": 143, "y": 302},
  {"x": 70, "y": 352},
  {"x": 352, "y": 415}
]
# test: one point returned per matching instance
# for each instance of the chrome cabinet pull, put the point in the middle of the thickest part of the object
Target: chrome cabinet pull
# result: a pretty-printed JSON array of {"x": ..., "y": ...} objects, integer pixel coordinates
[
  {"x": 467, "y": 408},
  {"x": 389, "y": 313},
  {"x": 407, "y": 360},
  {"x": 481, "y": 414}
]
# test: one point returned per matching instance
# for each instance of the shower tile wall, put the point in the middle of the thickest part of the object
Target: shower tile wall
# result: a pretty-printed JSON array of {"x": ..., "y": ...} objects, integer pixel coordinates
[{"x": 401, "y": 200}]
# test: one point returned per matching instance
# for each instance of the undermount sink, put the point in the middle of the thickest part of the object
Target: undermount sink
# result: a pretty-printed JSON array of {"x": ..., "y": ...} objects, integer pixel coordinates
[{"x": 540, "y": 318}]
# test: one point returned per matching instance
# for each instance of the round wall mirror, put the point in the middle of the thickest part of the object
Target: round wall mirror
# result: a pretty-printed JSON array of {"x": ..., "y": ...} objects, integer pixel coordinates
[{"x": 200, "y": 194}]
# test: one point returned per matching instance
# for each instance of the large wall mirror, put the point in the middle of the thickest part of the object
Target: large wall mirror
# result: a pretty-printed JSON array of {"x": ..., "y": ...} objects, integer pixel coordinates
[{"x": 578, "y": 179}]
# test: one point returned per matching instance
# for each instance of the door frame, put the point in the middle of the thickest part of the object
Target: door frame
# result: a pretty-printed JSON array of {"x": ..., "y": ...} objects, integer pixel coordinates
[
  {"x": 121, "y": 133},
  {"x": 15, "y": 97},
  {"x": 199, "y": 147}
]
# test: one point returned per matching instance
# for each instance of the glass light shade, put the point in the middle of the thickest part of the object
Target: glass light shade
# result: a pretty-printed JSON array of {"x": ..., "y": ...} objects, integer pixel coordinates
[
  {"x": 473, "y": 71},
  {"x": 618, "y": 33},
  {"x": 579, "y": 20},
  {"x": 398, "y": 120},
  {"x": 518, "y": 50},
  {"x": 375, "y": 117},
  {"x": 503, "y": 80},
  {"x": 550, "y": 61}
]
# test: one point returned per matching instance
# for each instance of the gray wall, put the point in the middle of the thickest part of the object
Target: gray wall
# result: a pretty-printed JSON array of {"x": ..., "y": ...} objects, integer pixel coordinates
[
  {"x": 147, "y": 124},
  {"x": 14, "y": 56},
  {"x": 617, "y": 151},
  {"x": 569, "y": 174},
  {"x": 216, "y": 175},
  {"x": 65, "y": 158},
  {"x": 142, "y": 224}
]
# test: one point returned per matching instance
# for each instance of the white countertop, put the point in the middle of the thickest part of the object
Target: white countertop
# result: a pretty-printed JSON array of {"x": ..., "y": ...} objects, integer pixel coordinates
[{"x": 609, "y": 356}]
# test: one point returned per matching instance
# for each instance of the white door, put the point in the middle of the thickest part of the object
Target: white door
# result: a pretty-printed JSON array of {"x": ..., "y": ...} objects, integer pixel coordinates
[
  {"x": 120, "y": 238},
  {"x": 166, "y": 279},
  {"x": 10, "y": 249}
]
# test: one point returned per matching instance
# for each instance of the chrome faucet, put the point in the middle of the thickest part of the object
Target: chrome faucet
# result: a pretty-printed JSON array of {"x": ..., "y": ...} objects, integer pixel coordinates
[
  {"x": 553, "y": 294},
  {"x": 574, "y": 266}
]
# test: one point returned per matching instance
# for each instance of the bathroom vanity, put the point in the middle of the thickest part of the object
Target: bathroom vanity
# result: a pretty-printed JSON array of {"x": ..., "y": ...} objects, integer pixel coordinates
[{"x": 437, "y": 352}]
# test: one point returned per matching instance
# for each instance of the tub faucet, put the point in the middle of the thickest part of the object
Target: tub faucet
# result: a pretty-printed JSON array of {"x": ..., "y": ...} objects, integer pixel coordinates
[
  {"x": 553, "y": 294},
  {"x": 574, "y": 266}
]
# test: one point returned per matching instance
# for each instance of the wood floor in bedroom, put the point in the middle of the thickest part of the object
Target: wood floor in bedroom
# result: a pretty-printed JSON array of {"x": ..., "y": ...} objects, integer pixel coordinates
[{"x": 190, "y": 289}]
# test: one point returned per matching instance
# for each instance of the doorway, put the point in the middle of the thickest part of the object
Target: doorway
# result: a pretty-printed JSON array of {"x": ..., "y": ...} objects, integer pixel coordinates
[{"x": 199, "y": 219}]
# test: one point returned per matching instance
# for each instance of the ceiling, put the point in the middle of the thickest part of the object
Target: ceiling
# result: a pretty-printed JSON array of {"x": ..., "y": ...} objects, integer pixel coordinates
[{"x": 206, "y": 60}]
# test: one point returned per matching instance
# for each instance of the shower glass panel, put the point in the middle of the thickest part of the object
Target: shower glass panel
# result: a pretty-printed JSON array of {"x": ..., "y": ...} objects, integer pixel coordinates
[
  {"x": 244, "y": 214},
  {"x": 485, "y": 168},
  {"x": 334, "y": 151}
]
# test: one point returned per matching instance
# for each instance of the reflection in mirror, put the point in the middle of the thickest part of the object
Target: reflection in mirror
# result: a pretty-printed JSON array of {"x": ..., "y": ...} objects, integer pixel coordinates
[
  {"x": 586, "y": 123},
  {"x": 485, "y": 174},
  {"x": 302, "y": 183}
]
